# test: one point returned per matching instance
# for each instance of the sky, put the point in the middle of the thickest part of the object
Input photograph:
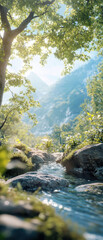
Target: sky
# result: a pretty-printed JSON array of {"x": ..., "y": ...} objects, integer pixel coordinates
[{"x": 50, "y": 73}]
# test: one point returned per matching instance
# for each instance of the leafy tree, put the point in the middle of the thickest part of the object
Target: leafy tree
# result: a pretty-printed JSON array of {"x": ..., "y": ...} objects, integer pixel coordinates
[
  {"x": 90, "y": 121},
  {"x": 35, "y": 27},
  {"x": 20, "y": 103},
  {"x": 56, "y": 133},
  {"x": 19, "y": 21},
  {"x": 79, "y": 32},
  {"x": 95, "y": 91},
  {"x": 12, "y": 128},
  {"x": 87, "y": 127}
]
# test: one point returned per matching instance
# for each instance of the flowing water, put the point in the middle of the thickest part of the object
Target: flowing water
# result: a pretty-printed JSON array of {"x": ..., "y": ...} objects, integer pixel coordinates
[{"x": 82, "y": 208}]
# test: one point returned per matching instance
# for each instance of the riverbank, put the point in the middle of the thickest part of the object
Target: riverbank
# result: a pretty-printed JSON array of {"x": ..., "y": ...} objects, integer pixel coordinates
[{"x": 73, "y": 198}]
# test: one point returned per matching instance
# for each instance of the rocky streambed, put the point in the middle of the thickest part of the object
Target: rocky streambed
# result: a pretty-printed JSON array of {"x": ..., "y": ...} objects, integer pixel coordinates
[{"x": 79, "y": 199}]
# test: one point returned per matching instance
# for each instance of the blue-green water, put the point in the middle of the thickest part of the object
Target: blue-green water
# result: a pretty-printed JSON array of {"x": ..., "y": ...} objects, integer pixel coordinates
[{"x": 84, "y": 209}]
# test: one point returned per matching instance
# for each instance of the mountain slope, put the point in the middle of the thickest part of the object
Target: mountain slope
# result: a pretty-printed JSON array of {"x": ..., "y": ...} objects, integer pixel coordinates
[
  {"x": 62, "y": 102},
  {"x": 41, "y": 86}
]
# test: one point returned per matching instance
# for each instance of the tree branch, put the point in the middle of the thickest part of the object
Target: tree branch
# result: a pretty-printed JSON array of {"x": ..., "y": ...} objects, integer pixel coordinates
[
  {"x": 47, "y": 3},
  {"x": 36, "y": 16},
  {"x": 31, "y": 16},
  {"x": 23, "y": 25},
  {"x": 5, "y": 119},
  {"x": 4, "y": 20}
]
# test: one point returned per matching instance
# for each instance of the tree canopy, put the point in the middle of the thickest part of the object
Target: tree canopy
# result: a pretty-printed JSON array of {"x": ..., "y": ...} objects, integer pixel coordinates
[
  {"x": 29, "y": 28},
  {"x": 80, "y": 27}
]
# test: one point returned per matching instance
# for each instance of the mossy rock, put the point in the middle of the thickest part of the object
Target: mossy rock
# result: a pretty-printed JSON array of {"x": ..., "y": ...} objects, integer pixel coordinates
[
  {"x": 28, "y": 217},
  {"x": 94, "y": 188},
  {"x": 87, "y": 160},
  {"x": 18, "y": 164},
  {"x": 23, "y": 147},
  {"x": 21, "y": 156}
]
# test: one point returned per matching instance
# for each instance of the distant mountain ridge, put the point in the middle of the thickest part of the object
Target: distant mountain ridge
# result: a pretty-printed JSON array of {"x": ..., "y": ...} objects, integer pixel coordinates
[
  {"x": 62, "y": 101},
  {"x": 41, "y": 86}
]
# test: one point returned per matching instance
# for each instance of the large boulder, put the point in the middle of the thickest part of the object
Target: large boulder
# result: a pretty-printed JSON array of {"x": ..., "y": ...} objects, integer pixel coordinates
[
  {"x": 86, "y": 162},
  {"x": 19, "y": 164},
  {"x": 39, "y": 157},
  {"x": 32, "y": 181},
  {"x": 32, "y": 220},
  {"x": 21, "y": 209},
  {"x": 15, "y": 168},
  {"x": 13, "y": 228},
  {"x": 25, "y": 161},
  {"x": 58, "y": 156},
  {"x": 94, "y": 188}
]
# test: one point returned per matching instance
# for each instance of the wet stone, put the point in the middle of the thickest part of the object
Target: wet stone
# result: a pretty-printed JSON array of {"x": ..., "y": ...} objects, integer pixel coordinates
[{"x": 32, "y": 181}]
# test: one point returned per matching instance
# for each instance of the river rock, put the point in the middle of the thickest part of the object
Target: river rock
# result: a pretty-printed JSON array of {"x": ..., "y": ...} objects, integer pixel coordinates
[
  {"x": 17, "y": 167},
  {"x": 14, "y": 228},
  {"x": 22, "y": 209},
  {"x": 32, "y": 181},
  {"x": 86, "y": 162},
  {"x": 39, "y": 157},
  {"x": 58, "y": 156},
  {"x": 16, "y": 225},
  {"x": 96, "y": 188}
]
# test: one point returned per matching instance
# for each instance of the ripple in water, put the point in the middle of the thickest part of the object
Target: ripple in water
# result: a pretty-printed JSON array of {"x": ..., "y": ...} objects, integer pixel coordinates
[{"x": 80, "y": 207}]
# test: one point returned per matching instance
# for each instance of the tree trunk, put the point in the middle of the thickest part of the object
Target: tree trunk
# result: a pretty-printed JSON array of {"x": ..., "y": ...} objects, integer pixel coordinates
[
  {"x": 2, "y": 84},
  {"x": 6, "y": 52},
  {"x": 9, "y": 36}
]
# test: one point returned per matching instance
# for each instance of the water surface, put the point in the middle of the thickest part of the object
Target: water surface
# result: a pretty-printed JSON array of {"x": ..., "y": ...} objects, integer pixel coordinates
[{"x": 84, "y": 209}]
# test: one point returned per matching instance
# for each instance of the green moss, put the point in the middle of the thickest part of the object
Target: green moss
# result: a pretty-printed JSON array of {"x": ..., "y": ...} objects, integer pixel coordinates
[
  {"x": 67, "y": 157},
  {"x": 4, "y": 158},
  {"x": 51, "y": 226},
  {"x": 22, "y": 147},
  {"x": 55, "y": 228},
  {"x": 22, "y": 158}
]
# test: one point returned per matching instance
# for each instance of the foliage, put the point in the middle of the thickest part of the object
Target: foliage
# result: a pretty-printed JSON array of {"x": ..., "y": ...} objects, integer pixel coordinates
[
  {"x": 22, "y": 147},
  {"x": 68, "y": 156},
  {"x": 78, "y": 28},
  {"x": 22, "y": 101},
  {"x": 37, "y": 29},
  {"x": 80, "y": 31},
  {"x": 49, "y": 145},
  {"x": 95, "y": 91},
  {"x": 56, "y": 133},
  {"x": 73, "y": 141},
  {"x": 80, "y": 25},
  {"x": 45, "y": 143},
  {"x": 61, "y": 136},
  {"x": 14, "y": 130},
  {"x": 4, "y": 158},
  {"x": 87, "y": 127},
  {"x": 90, "y": 121}
]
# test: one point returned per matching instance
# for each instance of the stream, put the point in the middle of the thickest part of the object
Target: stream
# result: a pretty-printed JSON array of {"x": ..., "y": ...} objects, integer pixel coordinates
[{"x": 82, "y": 208}]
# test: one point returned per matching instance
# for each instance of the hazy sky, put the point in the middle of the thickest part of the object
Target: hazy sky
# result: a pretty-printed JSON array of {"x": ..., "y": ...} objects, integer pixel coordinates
[{"x": 50, "y": 73}]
